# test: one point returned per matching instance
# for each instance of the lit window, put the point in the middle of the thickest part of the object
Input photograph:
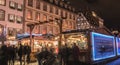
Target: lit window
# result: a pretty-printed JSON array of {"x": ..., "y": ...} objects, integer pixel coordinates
[
  {"x": 49, "y": 29},
  {"x": 11, "y": 32},
  {"x": 38, "y": 4},
  {"x": 30, "y": 3},
  {"x": 70, "y": 16},
  {"x": 37, "y": 16},
  {"x": 44, "y": 29},
  {"x": 19, "y": 19},
  {"x": 2, "y": 2},
  {"x": 29, "y": 14},
  {"x": 66, "y": 14},
  {"x": 44, "y": 18},
  {"x": 51, "y": 9},
  {"x": 36, "y": 29},
  {"x": 19, "y": 7},
  {"x": 45, "y": 7},
  {"x": 2, "y": 15},
  {"x": 56, "y": 11},
  {"x": 50, "y": 18},
  {"x": 12, "y": 4},
  {"x": 11, "y": 17}
]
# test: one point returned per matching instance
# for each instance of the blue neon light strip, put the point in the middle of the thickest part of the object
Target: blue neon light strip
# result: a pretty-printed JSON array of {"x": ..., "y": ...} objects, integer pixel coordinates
[
  {"x": 118, "y": 43},
  {"x": 93, "y": 46}
]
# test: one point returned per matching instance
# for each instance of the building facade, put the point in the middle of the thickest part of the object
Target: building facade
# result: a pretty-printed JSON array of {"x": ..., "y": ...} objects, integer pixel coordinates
[
  {"x": 46, "y": 10},
  {"x": 11, "y": 15}
]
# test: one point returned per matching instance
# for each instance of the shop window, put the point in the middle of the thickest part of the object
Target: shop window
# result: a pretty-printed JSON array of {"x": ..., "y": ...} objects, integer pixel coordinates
[
  {"x": 11, "y": 17},
  {"x": 2, "y": 15},
  {"x": 19, "y": 7},
  {"x": 38, "y": 4},
  {"x": 56, "y": 11},
  {"x": 37, "y": 16},
  {"x": 51, "y": 9},
  {"x": 2, "y": 2},
  {"x": 29, "y": 14},
  {"x": 19, "y": 19},
  {"x": 12, "y": 4},
  {"x": 44, "y": 17},
  {"x": 44, "y": 6},
  {"x": 30, "y": 3}
]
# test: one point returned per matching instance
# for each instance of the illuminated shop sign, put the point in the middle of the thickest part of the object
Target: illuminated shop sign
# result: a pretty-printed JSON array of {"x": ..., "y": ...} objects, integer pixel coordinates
[
  {"x": 118, "y": 45},
  {"x": 103, "y": 46}
]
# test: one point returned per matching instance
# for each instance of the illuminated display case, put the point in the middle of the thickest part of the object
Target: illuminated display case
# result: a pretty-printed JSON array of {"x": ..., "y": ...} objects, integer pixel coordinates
[
  {"x": 118, "y": 45},
  {"x": 103, "y": 46}
]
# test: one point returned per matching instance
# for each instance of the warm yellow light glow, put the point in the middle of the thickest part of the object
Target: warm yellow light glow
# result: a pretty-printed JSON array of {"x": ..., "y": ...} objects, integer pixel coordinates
[{"x": 94, "y": 14}]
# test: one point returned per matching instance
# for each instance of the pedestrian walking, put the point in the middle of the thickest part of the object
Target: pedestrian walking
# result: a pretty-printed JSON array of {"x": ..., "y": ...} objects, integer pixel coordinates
[
  {"x": 13, "y": 54},
  {"x": 28, "y": 53},
  {"x": 4, "y": 55},
  {"x": 20, "y": 53},
  {"x": 65, "y": 54},
  {"x": 76, "y": 53}
]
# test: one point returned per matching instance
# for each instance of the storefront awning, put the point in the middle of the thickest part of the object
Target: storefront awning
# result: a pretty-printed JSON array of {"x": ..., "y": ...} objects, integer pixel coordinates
[{"x": 26, "y": 35}]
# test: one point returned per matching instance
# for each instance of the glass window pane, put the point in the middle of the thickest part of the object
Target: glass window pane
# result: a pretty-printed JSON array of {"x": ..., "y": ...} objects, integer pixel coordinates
[
  {"x": 11, "y": 17},
  {"x": 12, "y": 4},
  {"x": 44, "y": 6},
  {"x": 2, "y": 2},
  {"x": 51, "y": 9},
  {"x": 44, "y": 18},
  {"x": 29, "y": 14},
  {"x": 30, "y": 3},
  {"x": 38, "y": 4},
  {"x": 2, "y": 15},
  {"x": 37, "y": 18}
]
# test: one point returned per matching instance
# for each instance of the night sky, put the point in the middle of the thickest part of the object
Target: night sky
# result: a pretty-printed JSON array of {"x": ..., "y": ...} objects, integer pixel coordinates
[{"x": 108, "y": 10}]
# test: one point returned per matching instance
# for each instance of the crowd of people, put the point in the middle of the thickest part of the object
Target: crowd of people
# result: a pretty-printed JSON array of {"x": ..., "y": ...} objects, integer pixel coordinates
[
  {"x": 10, "y": 53},
  {"x": 66, "y": 53}
]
